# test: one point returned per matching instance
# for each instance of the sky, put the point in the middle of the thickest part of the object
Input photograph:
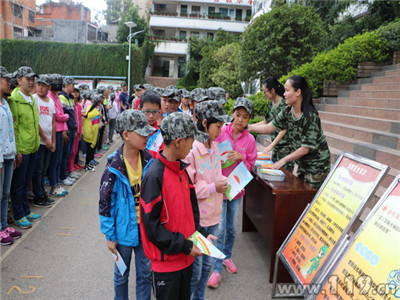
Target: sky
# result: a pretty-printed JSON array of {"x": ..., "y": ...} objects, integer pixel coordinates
[{"x": 96, "y": 6}]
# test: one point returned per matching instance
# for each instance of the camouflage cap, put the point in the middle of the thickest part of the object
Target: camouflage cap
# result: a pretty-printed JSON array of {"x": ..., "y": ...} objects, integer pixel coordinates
[
  {"x": 216, "y": 93},
  {"x": 84, "y": 86},
  {"x": 44, "y": 79},
  {"x": 109, "y": 87},
  {"x": 138, "y": 87},
  {"x": 4, "y": 73},
  {"x": 56, "y": 81},
  {"x": 245, "y": 103},
  {"x": 101, "y": 89},
  {"x": 211, "y": 109},
  {"x": 198, "y": 95},
  {"x": 172, "y": 87},
  {"x": 26, "y": 72},
  {"x": 167, "y": 93},
  {"x": 112, "y": 96},
  {"x": 185, "y": 93},
  {"x": 96, "y": 97},
  {"x": 158, "y": 90},
  {"x": 180, "y": 125},
  {"x": 123, "y": 83},
  {"x": 69, "y": 80},
  {"x": 176, "y": 95},
  {"x": 134, "y": 120},
  {"x": 148, "y": 86}
]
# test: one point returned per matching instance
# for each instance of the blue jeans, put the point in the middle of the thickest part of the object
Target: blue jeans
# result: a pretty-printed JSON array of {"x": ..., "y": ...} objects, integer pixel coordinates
[
  {"x": 227, "y": 230},
  {"x": 66, "y": 152},
  {"x": 5, "y": 185},
  {"x": 143, "y": 273},
  {"x": 201, "y": 269},
  {"x": 55, "y": 161},
  {"x": 43, "y": 160},
  {"x": 19, "y": 186}
]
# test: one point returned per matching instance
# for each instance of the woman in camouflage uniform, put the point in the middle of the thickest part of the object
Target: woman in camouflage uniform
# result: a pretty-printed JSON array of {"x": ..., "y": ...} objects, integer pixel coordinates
[
  {"x": 280, "y": 145},
  {"x": 304, "y": 133}
]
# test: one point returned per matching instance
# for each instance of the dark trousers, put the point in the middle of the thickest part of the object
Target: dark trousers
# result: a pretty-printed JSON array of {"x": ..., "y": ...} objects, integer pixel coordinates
[
  {"x": 67, "y": 149},
  {"x": 111, "y": 128},
  {"x": 172, "y": 285},
  {"x": 55, "y": 161},
  {"x": 100, "y": 139},
  {"x": 19, "y": 187},
  {"x": 89, "y": 153},
  {"x": 43, "y": 160}
]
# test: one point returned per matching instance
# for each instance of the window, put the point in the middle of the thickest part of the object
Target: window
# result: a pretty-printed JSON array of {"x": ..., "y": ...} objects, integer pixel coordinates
[
  {"x": 181, "y": 66},
  {"x": 211, "y": 10},
  {"x": 248, "y": 13},
  {"x": 182, "y": 34},
  {"x": 210, "y": 36},
  {"x": 196, "y": 10},
  {"x": 194, "y": 34},
  {"x": 160, "y": 7},
  {"x": 238, "y": 14},
  {"x": 159, "y": 32},
  {"x": 17, "y": 32},
  {"x": 184, "y": 9},
  {"x": 18, "y": 11},
  {"x": 223, "y": 12},
  {"x": 31, "y": 16}
]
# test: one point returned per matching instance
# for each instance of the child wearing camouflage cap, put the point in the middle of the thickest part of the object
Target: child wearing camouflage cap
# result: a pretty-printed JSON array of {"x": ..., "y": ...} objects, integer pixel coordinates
[
  {"x": 169, "y": 211},
  {"x": 244, "y": 150},
  {"x": 119, "y": 202},
  {"x": 206, "y": 174}
]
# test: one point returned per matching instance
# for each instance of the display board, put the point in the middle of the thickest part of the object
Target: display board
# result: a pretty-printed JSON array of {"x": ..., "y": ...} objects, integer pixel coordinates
[
  {"x": 320, "y": 231},
  {"x": 370, "y": 265}
]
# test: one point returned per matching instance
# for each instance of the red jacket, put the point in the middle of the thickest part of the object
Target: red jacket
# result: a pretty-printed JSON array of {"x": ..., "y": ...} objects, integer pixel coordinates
[{"x": 169, "y": 215}]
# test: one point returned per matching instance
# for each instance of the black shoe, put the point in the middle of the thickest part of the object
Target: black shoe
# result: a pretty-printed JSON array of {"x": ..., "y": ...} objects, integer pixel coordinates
[
  {"x": 48, "y": 199},
  {"x": 41, "y": 202}
]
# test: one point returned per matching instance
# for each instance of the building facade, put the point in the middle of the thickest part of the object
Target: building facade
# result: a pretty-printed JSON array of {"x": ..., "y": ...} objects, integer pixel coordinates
[
  {"x": 17, "y": 18},
  {"x": 173, "y": 23}
]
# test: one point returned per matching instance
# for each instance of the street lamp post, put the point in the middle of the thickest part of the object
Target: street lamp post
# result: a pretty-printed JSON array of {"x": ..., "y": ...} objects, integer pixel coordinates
[{"x": 130, "y": 24}]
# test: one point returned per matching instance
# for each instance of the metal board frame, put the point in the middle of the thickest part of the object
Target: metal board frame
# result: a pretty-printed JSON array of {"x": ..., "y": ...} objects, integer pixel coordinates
[{"x": 339, "y": 246}]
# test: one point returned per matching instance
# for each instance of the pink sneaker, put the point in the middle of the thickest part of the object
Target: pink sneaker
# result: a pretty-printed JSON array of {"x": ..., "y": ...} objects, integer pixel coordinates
[
  {"x": 13, "y": 233},
  {"x": 230, "y": 266},
  {"x": 214, "y": 279},
  {"x": 98, "y": 155},
  {"x": 5, "y": 239}
]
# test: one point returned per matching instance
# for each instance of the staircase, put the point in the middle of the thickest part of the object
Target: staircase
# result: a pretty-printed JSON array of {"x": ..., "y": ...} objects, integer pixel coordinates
[{"x": 365, "y": 120}]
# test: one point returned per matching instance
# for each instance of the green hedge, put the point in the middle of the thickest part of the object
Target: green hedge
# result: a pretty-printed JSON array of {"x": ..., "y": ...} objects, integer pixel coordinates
[
  {"x": 341, "y": 63},
  {"x": 76, "y": 59},
  {"x": 391, "y": 34}
]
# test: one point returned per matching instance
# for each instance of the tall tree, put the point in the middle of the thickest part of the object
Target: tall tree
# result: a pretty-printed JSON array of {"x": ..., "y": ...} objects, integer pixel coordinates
[
  {"x": 132, "y": 14},
  {"x": 278, "y": 41}
]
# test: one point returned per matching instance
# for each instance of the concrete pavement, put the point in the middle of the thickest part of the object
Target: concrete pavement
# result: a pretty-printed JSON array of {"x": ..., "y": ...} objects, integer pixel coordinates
[{"x": 64, "y": 255}]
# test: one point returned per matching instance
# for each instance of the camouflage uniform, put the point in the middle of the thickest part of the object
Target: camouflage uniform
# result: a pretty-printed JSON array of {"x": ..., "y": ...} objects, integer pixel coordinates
[
  {"x": 283, "y": 147},
  {"x": 306, "y": 132}
]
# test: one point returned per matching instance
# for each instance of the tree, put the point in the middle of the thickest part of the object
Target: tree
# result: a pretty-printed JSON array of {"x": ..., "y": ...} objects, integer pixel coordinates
[
  {"x": 132, "y": 14},
  {"x": 115, "y": 9},
  {"x": 278, "y": 41},
  {"x": 226, "y": 72}
]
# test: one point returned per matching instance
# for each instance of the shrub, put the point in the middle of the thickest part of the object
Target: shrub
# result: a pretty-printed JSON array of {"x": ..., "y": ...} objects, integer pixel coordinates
[
  {"x": 391, "y": 34},
  {"x": 341, "y": 63},
  {"x": 260, "y": 104}
]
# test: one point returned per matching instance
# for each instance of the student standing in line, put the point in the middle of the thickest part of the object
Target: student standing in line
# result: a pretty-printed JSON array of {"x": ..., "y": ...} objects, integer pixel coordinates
[
  {"x": 119, "y": 202},
  {"x": 169, "y": 211},
  {"x": 301, "y": 119},
  {"x": 206, "y": 174},
  {"x": 26, "y": 129},
  {"x": 244, "y": 150},
  {"x": 8, "y": 151},
  {"x": 47, "y": 132}
]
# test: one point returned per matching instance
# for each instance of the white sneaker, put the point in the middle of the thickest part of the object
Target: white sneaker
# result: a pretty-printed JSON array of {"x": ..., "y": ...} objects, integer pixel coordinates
[
  {"x": 72, "y": 179},
  {"x": 66, "y": 182},
  {"x": 74, "y": 175}
]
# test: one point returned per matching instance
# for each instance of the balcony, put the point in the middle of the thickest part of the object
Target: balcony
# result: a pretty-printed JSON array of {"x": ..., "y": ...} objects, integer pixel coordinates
[
  {"x": 170, "y": 45},
  {"x": 198, "y": 21}
]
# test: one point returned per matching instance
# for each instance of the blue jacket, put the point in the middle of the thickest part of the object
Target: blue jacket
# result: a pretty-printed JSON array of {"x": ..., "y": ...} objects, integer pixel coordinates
[{"x": 117, "y": 205}]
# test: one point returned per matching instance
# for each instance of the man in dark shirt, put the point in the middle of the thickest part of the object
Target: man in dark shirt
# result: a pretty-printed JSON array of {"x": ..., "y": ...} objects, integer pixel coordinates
[{"x": 124, "y": 97}]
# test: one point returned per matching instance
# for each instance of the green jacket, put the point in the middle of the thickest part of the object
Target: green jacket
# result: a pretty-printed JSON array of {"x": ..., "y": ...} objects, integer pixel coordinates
[{"x": 26, "y": 123}]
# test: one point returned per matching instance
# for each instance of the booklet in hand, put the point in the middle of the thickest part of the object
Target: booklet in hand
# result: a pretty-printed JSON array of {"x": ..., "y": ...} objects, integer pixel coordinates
[
  {"x": 119, "y": 262},
  {"x": 224, "y": 148},
  {"x": 237, "y": 180},
  {"x": 205, "y": 246}
]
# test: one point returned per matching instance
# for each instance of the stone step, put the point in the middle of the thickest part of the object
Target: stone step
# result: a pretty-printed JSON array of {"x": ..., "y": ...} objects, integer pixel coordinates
[
  {"x": 386, "y": 79},
  {"x": 363, "y": 134},
  {"x": 381, "y": 94},
  {"x": 384, "y": 155},
  {"x": 395, "y": 72},
  {"x": 369, "y": 102},
  {"x": 377, "y": 86},
  {"x": 386, "y": 180},
  {"x": 391, "y": 67},
  {"x": 385, "y": 125},
  {"x": 374, "y": 112}
]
